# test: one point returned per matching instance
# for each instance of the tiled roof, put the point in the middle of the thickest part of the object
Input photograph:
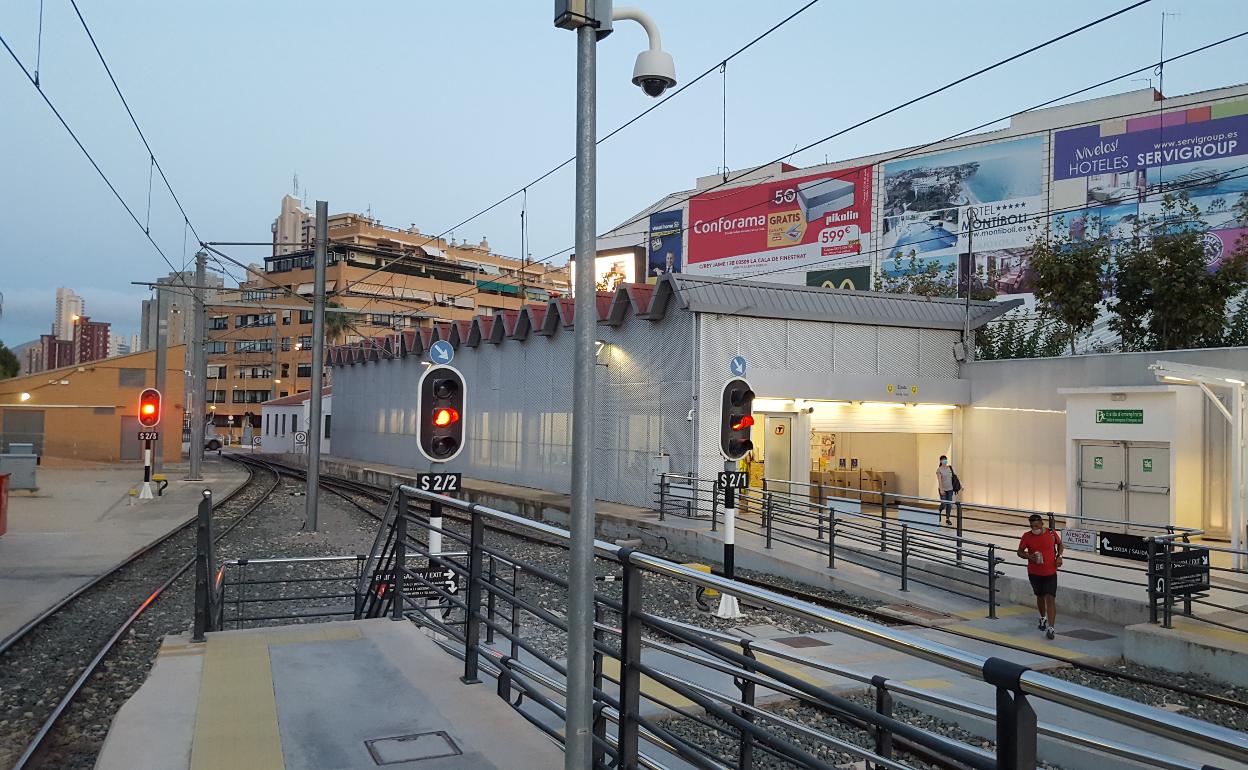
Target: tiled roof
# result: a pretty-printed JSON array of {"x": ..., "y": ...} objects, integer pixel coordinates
[{"x": 698, "y": 295}]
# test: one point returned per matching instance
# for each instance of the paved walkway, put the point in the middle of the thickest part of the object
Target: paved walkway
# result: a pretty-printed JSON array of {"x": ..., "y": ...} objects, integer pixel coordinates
[
  {"x": 81, "y": 523},
  {"x": 350, "y": 695}
]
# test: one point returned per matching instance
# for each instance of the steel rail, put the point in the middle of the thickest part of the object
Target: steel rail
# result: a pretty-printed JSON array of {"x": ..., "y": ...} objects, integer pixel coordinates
[{"x": 45, "y": 730}]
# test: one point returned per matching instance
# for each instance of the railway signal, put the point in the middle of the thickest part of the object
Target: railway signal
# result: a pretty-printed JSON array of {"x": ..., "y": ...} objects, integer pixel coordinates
[
  {"x": 441, "y": 406},
  {"x": 736, "y": 419},
  {"x": 149, "y": 418},
  {"x": 149, "y": 408}
]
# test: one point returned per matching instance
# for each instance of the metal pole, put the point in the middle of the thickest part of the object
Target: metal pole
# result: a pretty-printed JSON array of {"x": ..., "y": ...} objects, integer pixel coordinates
[
  {"x": 1237, "y": 474},
  {"x": 318, "y": 355},
  {"x": 970, "y": 268},
  {"x": 580, "y": 697},
  {"x": 196, "y": 404},
  {"x": 273, "y": 373},
  {"x": 162, "y": 357}
]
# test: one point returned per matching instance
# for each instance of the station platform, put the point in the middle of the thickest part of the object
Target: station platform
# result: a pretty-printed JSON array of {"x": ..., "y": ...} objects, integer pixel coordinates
[
  {"x": 1084, "y": 601},
  {"x": 82, "y": 522},
  {"x": 346, "y": 695}
]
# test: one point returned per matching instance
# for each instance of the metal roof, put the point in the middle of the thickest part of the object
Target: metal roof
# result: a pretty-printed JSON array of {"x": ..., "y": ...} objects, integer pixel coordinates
[
  {"x": 696, "y": 295},
  {"x": 813, "y": 303}
]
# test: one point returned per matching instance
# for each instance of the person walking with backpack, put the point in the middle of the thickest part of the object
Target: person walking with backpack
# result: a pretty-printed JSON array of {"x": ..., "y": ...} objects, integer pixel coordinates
[
  {"x": 948, "y": 484},
  {"x": 1042, "y": 548}
]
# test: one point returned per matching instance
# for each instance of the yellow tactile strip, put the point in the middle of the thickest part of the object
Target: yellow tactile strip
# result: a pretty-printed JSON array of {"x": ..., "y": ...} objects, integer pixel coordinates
[{"x": 236, "y": 722}]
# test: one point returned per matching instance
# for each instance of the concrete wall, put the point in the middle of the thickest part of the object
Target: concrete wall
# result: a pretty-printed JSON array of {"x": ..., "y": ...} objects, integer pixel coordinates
[
  {"x": 519, "y": 421},
  {"x": 1013, "y": 436}
]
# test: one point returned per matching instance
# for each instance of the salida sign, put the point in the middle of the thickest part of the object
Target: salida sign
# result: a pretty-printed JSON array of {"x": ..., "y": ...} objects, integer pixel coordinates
[{"x": 792, "y": 224}]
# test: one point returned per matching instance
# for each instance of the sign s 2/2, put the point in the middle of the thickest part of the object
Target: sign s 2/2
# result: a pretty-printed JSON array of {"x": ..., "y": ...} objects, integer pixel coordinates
[{"x": 441, "y": 483}]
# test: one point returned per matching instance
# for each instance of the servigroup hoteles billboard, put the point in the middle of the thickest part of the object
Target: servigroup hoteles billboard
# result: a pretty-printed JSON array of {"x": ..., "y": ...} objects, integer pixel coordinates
[{"x": 786, "y": 226}]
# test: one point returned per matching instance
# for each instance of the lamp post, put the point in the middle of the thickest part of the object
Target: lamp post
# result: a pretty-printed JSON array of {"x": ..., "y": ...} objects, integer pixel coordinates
[{"x": 654, "y": 72}]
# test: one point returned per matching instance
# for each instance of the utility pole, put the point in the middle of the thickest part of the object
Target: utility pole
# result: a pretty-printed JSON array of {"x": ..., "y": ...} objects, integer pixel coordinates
[
  {"x": 967, "y": 344},
  {"x": 318, "y": 356},
  {"x": 162, "y": 355},
  {"x": 274, "y": 370},
  {"x": 196, "y": 404}
]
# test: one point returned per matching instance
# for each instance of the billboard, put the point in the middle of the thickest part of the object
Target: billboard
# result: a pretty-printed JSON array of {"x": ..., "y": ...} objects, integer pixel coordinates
[
  {"x": 931, "y": 201},
  {"x": 1122, "y": 169},
  {"x": 665, "y": 250},
  {"x": 611, "y": 268},
  {"x": 851, "y": 278},
  {"x": 788, "y": 226}
]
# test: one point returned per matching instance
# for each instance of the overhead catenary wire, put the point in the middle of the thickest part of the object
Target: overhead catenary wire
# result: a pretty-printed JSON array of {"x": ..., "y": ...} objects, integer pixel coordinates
[{"x": 917, "y": 149}]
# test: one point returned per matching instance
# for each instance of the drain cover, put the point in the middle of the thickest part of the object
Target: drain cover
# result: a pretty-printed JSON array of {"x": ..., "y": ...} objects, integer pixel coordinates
[
  {"x": 799, "y": 641},
  {"x": 1086, "y": 635},
  {"x": 412, "y": 748}
]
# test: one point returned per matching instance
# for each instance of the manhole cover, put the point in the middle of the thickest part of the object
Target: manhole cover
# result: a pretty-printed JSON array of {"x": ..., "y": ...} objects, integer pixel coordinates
[
  {"x": 799, "y": 641},
  {"x": 1086, "y": 635},
  {"x": 412, "y": 748}
]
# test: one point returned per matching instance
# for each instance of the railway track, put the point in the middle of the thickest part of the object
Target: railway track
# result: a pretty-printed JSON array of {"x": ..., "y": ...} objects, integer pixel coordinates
[
  {"x": 49, "y": 662},
  {"x": 347, "y": 488}
]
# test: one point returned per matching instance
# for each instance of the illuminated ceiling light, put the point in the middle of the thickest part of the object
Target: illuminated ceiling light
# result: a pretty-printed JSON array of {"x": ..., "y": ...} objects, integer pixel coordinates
[{"x": 24, "y": 397}]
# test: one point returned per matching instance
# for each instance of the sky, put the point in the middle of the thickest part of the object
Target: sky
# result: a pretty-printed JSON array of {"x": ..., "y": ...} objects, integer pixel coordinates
[{"x": 424, "y": 113}]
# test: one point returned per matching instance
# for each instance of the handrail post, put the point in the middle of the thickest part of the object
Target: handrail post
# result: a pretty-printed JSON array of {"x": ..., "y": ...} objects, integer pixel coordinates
[
  {"x": 767, "y": 514},
  {"x": 958, "y": 510},
  {"x": 400, "y": 557},
  {"x": 203, "y": 567},
  {"x": 883, "y": 707},
  {"x": 1152, "y": 580},
  {"x": 490, "y": 604},
  {"x": 630, "y": 657},
  {"x": 832, "y": 541},
  {"x": 600, "y": 718},
  {"x": 992, "y": 581},
  {"x": 905, "y": 555},
  {"x": 745, "y": 756},
  {"x": 662, "y": 496},
  {"x": 472, "y": 627},
  {"x": 1168, "y": 607},
  {"x": 515, "y": 611},
  {"x": 714, "y": 508},
  {"x": 883, "y": 523},
  {"x": 819, "y": 518},
  {"x": 1016, "y": 719}
]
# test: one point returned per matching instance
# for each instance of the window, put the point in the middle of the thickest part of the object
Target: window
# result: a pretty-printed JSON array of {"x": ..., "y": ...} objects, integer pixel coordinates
[
  {"x": 266, "y": 424},
  {"x": 286, "y": 318},
  {"x": 214, "y": 396},
  {"x": 253, "y": 346},
  {"x": 249, "y": 320},
  {"x": 214, "y": 346},
  {"x": 240, "y": 397},
  {"x": 305, "y": 343},
  {"x": 283, "y": 424},
  {"x": 285, "y": 371},
  {"x": 327, "y": 425},
  {"x": 216, "y": 372},
  {"x": 305, "y": 316},
  {"x": 285, "y": 344},
  {"x": 382, "y": 320},
  {"x": 304, "y": 370},
  {"x": 131, "y": 378},
  {"x": 294, "y": 423},
  {"x": 219, "y": 322}
]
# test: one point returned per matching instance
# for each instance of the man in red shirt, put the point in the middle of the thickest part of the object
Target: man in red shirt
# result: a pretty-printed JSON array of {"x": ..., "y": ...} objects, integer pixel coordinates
[{"x": 1042, "y": 548}]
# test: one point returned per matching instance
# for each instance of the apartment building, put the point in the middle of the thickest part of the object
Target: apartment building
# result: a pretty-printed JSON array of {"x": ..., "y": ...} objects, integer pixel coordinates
[{"x": 259, "y": 336}]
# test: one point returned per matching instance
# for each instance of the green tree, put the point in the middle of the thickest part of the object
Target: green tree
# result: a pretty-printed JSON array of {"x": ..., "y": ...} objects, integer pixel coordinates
[
  {"x": 1016, "y": 336},
  {"x": 1166, "y": 297},
  {"x": 925, "y": 279},
  {"x": 1069, "y": 276},
  {"x": 9, "y": 365},
  {"x": 336, "y": 324}
]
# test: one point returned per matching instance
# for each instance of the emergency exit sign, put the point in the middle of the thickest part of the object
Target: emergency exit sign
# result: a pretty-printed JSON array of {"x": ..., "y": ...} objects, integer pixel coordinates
[{"x": 1120, "y": 416}]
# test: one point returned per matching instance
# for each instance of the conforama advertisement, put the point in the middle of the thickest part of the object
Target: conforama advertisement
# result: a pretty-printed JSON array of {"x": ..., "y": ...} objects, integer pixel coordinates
[{"x": 784, "y": 227}]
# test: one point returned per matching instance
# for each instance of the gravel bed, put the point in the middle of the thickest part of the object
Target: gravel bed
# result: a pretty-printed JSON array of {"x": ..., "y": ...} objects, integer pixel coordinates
[
  {"x": 273, "y": 530},
  {"x": 1209, "y": 711},
  {"x": 727, "y": 745}
]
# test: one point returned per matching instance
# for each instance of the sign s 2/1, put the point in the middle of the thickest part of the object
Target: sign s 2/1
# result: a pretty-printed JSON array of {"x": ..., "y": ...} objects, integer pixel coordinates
[
  {"x": 733, "y": 480},
  {"x": 441, "y": 483},
  {"x": 149, "y": 435}
]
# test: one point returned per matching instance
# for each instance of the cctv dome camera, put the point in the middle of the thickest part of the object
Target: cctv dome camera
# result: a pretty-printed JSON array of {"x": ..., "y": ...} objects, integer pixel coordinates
[{"x": 654, "y": 72}]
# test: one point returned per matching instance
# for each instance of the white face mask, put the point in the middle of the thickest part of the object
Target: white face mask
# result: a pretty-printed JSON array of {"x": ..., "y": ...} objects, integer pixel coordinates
[{"x": 1037, "y": 530}]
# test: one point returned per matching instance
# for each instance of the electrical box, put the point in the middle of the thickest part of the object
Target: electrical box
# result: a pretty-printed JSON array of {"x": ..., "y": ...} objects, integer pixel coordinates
[
  {"x": 21, "y": 470},
  {"x": 573, "y": 14}
]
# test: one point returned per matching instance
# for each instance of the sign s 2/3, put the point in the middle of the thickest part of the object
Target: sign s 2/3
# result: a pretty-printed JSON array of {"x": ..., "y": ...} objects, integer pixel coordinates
[{"x": 149, "y": 435}]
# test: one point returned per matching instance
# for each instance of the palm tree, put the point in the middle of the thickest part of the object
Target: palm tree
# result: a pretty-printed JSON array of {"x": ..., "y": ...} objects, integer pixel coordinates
[{"x": 336, "y": 324}]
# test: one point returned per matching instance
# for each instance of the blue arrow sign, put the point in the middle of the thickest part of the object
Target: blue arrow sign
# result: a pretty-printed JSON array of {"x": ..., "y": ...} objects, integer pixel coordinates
[
  {"x": 737, "y": 365},
  {"x": 441, "y": 352}
]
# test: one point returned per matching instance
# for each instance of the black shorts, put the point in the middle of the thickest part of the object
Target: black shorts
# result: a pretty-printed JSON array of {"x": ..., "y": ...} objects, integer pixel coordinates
[{"x": 1043, "y": 585}]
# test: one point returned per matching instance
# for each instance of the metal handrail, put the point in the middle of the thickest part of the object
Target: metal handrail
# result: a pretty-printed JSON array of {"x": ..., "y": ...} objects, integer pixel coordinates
[{"x": 1191, "y": 732}]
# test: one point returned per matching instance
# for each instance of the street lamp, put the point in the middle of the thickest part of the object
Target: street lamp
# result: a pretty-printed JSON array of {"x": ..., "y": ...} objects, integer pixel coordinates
[{"x": 654, "y": 72}]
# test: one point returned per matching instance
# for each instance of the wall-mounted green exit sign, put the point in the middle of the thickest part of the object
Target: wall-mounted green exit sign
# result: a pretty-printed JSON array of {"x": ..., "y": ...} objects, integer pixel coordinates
[
  {"x": 1120, "y": 416},
  {"x": 1098, "y": 462}
]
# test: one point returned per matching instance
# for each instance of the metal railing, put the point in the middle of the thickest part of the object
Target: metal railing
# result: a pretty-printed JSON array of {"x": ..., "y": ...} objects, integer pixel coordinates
[
  {"x": 638, "y": 727},
  {"x": 903, "y": 536}
]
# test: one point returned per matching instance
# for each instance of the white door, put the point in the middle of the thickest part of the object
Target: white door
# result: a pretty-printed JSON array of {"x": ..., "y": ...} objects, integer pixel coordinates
[
  {"x": 778, "y": 452},
  {"x": 1102, "y": 478},
  {"x": 1148, "y": 484}
]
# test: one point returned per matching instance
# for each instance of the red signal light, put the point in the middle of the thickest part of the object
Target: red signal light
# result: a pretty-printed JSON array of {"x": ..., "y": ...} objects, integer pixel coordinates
[
  {"x": 746, "y": 421},
  {"x": 445, "y": 416},
  {"x": 149, "y": 408}
]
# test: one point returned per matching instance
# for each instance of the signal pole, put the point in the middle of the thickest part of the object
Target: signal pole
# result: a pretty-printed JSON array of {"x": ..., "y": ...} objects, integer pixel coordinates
[
  {"x": 199, "y": 373},
  {"x": 162, "y": 356},
  {"x": 318, "y": 356}
]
